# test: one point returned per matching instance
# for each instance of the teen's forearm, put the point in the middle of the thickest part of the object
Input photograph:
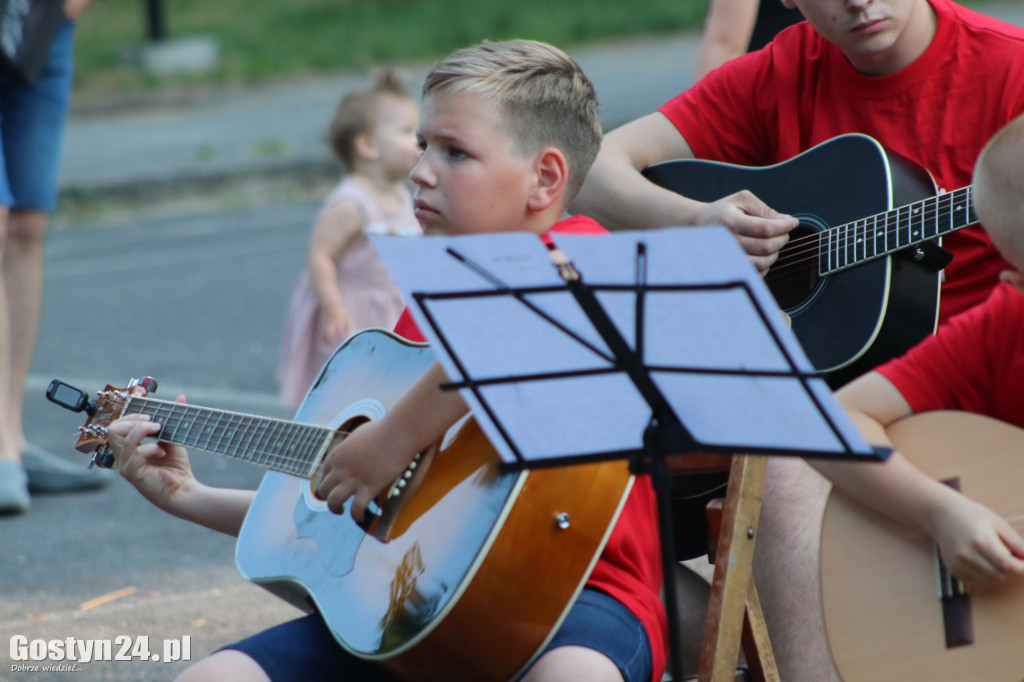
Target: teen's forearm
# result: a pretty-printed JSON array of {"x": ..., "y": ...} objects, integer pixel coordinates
[
  {"x": 619, "y": 198},
  {"x": 896, "y": 488}
]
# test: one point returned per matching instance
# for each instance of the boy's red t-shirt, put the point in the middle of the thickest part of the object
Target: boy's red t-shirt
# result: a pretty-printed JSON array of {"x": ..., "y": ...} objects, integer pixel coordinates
[
  {"x": 629, "y": 569},
  {"x": 768, "y": 106}
]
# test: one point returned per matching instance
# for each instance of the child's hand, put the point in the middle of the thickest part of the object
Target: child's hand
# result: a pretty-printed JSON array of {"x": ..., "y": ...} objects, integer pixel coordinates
[
  {"x": 366, "y": 462},
  {"x": 335, "y": 325},
  {"x": 977, "y": 545},
  {"x": 161, "y": 472}
]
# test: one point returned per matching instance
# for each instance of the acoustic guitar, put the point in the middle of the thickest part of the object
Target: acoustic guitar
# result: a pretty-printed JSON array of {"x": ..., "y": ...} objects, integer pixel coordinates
[
  {"x": 463, "y": 571},
  {"x": 892, "y": 611},
  {"x": 859, "y": 276}
]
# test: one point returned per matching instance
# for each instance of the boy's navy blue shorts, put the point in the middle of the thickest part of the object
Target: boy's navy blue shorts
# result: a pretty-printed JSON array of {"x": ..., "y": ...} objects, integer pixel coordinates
[{"x": 304, "y": 650}]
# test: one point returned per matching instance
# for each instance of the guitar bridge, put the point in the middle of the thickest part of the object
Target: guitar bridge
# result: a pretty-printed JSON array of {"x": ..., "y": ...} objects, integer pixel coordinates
[{"x": 956, "y": 602}]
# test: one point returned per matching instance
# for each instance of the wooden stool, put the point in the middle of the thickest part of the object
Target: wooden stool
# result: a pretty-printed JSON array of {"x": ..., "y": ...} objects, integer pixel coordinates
[{"x": 734, "y": 616}]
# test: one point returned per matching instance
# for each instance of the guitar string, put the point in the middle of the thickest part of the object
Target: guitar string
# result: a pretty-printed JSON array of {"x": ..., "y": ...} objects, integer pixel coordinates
[
  {"x": 307, "y": 432},
  {"x": 172, "y": 417},
  {"x": 808, "y": 248},
  {"x": 931, "y": 207}
]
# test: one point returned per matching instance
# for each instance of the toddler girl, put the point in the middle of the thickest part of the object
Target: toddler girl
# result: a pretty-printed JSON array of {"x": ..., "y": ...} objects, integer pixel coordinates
[{"x": 345, "y": 287}]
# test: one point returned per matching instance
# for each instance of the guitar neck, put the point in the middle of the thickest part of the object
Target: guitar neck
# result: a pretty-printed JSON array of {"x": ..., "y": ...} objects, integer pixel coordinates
[
  {"x": 849, "y": 245},
  {"x": 275, "y": 444}
]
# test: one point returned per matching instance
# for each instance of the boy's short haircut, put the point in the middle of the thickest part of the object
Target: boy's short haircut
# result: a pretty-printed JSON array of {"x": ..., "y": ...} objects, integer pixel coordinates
[
  {"x": 357, "y": 115},
  {"x": 543, "y": 97},
  {"x": 999, "y": 190}
]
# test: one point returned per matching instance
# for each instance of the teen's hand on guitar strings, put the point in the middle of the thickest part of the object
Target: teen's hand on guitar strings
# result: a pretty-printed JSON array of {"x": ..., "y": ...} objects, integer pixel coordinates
[{"x": 760, "y": 230}]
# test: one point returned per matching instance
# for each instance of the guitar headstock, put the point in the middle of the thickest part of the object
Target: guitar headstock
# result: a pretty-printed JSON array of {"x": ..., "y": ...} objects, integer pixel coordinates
[{"x": 107, "y": 408}]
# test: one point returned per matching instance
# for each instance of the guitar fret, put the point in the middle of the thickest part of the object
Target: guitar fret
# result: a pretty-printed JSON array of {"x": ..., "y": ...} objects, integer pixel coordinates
[
  {"x": 888, "y": 216},
  {"x": 849, "y": 245},
  {"x": 861, "y": 237},
  {"x": 870, "y": 245},
  {"x": 902, "y": 227},
  {"x": 261, "y": 450},
  {"x": 826, "y": 250},
  {"x": 930, "y": 223},
  {"x": 248, "y": 434}
]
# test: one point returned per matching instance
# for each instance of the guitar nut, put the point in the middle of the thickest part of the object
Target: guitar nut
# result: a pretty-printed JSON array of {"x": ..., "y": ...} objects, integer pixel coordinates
[{"x": 562, "y": 520}]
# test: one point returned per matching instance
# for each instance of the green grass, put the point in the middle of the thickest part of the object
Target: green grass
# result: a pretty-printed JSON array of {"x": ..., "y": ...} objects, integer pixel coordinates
[{"x": 265, "y": 40}]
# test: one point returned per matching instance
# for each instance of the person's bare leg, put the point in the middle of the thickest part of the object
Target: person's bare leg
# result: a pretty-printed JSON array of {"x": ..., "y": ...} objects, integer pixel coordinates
[
  {"x": 786, "y": 565},
  {"x": 23, "y": 284},
  {"x": 10, "y": 448},
  {"x": 226, "y": 664},
  {"x": 570, "y": 663}
]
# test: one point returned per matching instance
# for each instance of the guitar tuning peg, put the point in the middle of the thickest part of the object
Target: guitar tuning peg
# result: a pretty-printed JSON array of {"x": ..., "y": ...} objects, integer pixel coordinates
[{"x": 104, "y": 459}]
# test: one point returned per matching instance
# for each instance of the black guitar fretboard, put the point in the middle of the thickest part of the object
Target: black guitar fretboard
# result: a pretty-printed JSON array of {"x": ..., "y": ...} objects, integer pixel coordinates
[{"x": 854, "y": 243}]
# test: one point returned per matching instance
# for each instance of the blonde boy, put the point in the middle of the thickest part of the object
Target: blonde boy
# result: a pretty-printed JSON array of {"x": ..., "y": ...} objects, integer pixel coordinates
[{"x": 508, "y": 132}]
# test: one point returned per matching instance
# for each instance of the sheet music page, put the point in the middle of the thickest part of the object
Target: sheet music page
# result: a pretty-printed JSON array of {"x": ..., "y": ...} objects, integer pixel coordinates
[{"x": 459, "y": 290}]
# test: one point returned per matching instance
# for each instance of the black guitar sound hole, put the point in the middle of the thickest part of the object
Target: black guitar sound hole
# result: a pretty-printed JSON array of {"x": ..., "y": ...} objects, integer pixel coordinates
[{"x": 793, "y": 279}]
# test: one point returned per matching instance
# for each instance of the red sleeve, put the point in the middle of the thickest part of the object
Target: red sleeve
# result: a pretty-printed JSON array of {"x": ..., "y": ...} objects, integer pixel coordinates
[{"x": 969, "y": 362}]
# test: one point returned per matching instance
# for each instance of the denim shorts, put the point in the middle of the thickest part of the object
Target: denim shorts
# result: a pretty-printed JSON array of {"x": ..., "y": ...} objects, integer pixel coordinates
[
  {"x": 32, "y": 122},
  {"x": 304, "y": 650}
]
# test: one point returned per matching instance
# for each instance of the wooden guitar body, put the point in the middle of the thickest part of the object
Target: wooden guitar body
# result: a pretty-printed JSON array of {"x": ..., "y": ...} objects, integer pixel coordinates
[
  {"x": 851, "y": 320},
  {"x": 880, "y": 585},
  {"x": 468, "y": 574}
]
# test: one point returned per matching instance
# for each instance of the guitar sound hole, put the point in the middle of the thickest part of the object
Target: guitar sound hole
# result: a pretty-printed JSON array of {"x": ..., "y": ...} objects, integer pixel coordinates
[{"x": 793, "y": 278}]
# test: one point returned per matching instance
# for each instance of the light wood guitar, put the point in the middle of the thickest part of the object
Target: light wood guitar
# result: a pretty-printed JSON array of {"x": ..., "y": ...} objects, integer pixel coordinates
[
  {"x": 464, "y": 571},
  {"x": 891, "y": 611}
]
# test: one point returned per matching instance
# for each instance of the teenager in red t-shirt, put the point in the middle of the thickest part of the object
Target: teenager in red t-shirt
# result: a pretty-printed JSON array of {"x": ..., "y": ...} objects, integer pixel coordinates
[
  {"x": 932, "y": 81},
  {"x": 928, "y": 79}
]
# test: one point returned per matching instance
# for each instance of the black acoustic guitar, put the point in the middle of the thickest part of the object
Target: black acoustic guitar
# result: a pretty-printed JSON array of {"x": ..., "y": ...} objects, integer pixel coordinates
[{"x": 860, "y": 275}]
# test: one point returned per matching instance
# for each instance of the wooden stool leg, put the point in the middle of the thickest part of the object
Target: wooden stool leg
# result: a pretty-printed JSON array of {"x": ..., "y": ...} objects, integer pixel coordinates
[{"x": 734, "y": 610}]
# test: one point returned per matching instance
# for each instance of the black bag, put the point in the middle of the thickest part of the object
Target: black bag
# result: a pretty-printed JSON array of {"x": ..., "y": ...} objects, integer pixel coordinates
[{"x": 27, "y": 31}]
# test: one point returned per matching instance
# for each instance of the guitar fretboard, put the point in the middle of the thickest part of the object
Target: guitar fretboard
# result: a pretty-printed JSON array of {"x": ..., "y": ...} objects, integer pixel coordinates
[
  {"x": 275, "y": 444},
  {"x": 854, "y": 243}
]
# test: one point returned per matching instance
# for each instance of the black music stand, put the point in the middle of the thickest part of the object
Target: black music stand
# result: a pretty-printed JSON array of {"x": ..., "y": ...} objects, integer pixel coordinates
[{"x": 653, "y": 343}]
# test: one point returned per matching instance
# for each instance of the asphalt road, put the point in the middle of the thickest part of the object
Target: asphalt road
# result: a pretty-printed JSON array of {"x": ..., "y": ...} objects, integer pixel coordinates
[{"x": 197, "y": 302}]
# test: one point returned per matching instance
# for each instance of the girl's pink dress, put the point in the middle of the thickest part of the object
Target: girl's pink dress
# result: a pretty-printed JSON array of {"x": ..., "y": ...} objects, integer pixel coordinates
[{"x": 370, "y": 296}]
